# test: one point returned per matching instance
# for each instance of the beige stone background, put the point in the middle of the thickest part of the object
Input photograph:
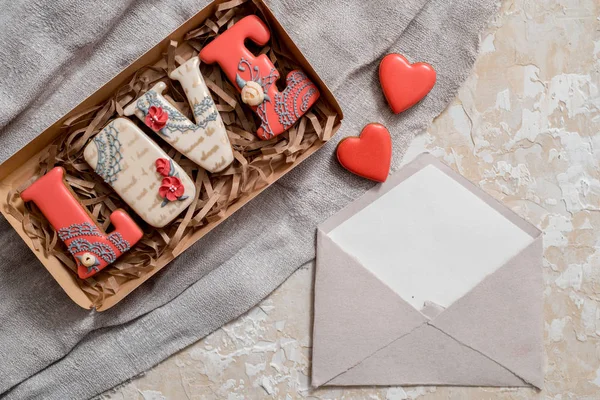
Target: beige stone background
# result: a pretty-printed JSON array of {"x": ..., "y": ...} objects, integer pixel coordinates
[{"x": 526, "y": 128}]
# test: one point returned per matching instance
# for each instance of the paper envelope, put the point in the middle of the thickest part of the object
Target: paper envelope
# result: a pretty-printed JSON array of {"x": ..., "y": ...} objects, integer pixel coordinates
[{"x": 427, "y": 280}]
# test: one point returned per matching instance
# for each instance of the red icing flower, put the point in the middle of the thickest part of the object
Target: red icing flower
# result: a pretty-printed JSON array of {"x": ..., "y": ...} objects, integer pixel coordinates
[
  {"x": 163, "y": 166},
  {"x": 171, "y": 188},
  {"x": 156, "y": 118}
]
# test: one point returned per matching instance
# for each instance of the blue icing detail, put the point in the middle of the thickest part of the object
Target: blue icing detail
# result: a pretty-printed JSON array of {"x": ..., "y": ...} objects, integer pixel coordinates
[
  {"x": 92, "y": 267},
  {"x": 178, "y": 122},
  {"x": 281, "y": 99},
  {"x": 119, "y": 242},
  {"x": 306, "y": 99},
  {"x": 266, "y": 83},
  {"x": 285, "y": 102},
  {"x": 239, "y": 81},
  {"x": 102, "y": 250},
  {"x": 75, "y": 230},
  {"x": 203, "y": 106},
  {"x": 109, "y": 154}
]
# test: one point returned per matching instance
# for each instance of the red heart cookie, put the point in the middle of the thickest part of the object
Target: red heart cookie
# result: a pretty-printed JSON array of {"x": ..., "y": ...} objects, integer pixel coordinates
[
  {"x": 404, "y": 84},
  {"x": 369, "y": 155}
]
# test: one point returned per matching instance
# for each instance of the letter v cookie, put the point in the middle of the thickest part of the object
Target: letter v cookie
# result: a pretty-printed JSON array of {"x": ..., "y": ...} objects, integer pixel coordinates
[
  {"x": 205, "y": 142},
  {"x": 145, "y": 177},
  {"x": 92, "y": 249}
]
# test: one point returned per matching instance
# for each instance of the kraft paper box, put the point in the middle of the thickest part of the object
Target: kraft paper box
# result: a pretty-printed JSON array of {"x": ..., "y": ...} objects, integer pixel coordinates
[{"x": 21, "y": 167}]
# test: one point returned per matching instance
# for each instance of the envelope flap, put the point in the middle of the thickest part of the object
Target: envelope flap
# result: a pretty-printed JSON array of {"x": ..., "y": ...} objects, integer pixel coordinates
[
  {"x": 355, "y": 313},
  {"x": 502, "y": 317},
  {"x": 427, "y": 356}
]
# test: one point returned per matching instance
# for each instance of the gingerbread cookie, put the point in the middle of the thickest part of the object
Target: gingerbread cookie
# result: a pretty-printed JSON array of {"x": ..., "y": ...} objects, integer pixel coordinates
[
  {"x": 92, "y": 249},
  {"x": 145, "y": 177},
  {"x": 204, "y": 142},
  {"x": 255, "y": 77}
]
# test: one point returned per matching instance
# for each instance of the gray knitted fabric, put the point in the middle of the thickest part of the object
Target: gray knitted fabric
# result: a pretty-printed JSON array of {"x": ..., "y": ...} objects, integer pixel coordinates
[{"x": 54, "y": 54}]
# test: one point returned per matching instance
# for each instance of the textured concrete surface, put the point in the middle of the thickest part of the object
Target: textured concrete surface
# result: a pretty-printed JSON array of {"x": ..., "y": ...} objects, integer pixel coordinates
[{"x": 526, "y": 128}]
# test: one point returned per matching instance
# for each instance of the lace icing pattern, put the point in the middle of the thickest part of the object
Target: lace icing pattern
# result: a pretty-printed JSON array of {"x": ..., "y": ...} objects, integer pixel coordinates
[
  {"x": 76, "y": 230},
  {"x": 285, "y": 103},
  {"x": 204, "y": 111},
  {"x": 102, "y": 250},
  {"x": 119, "y": 242},
  {"x": 109, "y": 154}
]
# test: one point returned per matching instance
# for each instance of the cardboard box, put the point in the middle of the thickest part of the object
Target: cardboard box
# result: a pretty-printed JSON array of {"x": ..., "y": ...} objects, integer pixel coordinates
[{"x": 20, "y": 168}]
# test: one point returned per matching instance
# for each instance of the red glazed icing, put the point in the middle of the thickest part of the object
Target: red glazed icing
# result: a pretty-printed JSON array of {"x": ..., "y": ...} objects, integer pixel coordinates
[
  {"x": 171, "y": 188},
  {"x": 404, "y": 84},
  {"x": 369, "y": 155},
  {"x": 163, "y": 166},
  {"x": 280, "y": 110},
  {"x": 76, "y": 227},
  {"x": 156, "y": 118}
]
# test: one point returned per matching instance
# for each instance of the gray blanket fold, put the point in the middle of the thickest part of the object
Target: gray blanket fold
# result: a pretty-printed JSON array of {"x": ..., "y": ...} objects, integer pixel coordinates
[{"x": 53, "y": 55}]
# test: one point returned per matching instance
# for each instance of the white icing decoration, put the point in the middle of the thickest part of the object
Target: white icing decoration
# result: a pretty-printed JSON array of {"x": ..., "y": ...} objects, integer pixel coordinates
[
  {"x": 205, "y": 142},
  {"x": 253, "y": 93},
  {"x": 138, "y": 181},
  {"x": 88, "y": 260},
  {"x": 430, "y": 239}
]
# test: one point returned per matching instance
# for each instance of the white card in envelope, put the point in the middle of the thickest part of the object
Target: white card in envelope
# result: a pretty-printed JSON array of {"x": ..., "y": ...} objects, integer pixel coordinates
[{"x": 430, "y": 239}]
